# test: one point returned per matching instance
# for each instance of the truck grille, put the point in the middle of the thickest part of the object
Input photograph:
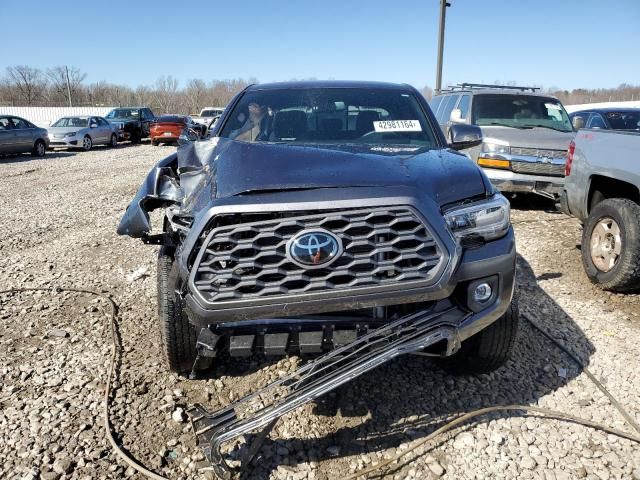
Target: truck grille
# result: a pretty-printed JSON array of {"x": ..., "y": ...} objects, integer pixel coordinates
[
  {"x": 539, "y": 152},
  {"x": 382, "y": 246},
  {"x": 538, "y": 168}
]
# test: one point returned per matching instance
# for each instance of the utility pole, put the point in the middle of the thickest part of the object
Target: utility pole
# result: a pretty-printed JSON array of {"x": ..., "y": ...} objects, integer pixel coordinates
[
  {"x": 443, "y": 13},
  {"x": 66, "y": 69}
]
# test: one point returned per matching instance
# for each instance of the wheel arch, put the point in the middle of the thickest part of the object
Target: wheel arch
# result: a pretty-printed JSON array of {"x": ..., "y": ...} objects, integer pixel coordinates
[{"x": 602, "y": 187}]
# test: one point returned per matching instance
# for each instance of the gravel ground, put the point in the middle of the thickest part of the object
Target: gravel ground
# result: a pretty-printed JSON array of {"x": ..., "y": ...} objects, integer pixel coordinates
[{"x": 61, "y": 213}]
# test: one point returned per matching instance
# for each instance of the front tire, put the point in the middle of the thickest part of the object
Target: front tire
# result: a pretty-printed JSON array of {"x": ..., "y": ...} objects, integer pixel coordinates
[
  {"x": 87, "y": 143},
  {"x": 39, "y": 149},
  {"x": 177, "y": 335},
  {"x": 611, "y": 245},
  {"x": 488, "y": 349},
  {"x": 114, "y": 141}
]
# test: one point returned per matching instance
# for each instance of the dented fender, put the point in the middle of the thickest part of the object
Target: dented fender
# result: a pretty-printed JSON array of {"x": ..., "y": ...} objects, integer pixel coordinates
[{"x": 160, "y": 188}]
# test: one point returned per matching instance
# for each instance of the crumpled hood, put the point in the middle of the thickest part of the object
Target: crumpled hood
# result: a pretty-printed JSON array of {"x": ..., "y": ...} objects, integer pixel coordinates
[
  {"x": 203, "y": 173},
  {"x": 536, "y": 137},
  {"x": 253, "y": 167}
]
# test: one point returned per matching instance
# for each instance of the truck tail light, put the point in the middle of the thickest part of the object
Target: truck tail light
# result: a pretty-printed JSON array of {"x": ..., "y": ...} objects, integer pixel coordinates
[{"x": 567, "y": 166}]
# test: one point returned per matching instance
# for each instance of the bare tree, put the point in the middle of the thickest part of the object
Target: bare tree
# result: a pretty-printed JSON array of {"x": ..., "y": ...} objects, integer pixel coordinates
[
  {"x": 166, "y": 93},
  {"x": 144, "y": 96},
  {"x": 58, "y": 77},
  {"x": 28, "y": 83},
  {"x": 196, "y": 95}
]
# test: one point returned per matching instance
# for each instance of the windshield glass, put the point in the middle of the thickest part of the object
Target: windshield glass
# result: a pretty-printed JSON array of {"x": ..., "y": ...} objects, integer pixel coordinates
[
  {"x": 624, "y": 120},
  {"x": 71, "y": 122},
  {"x": 330, "y": 116},
  {"x": 123, "y": 113},
  {"x": 520, "y": 111}
]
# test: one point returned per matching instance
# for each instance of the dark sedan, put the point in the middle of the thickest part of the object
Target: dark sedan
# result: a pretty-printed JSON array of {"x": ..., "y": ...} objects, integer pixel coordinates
[
  {"x": 18, "y": 135},
  {"x": 607, "y": 119}
]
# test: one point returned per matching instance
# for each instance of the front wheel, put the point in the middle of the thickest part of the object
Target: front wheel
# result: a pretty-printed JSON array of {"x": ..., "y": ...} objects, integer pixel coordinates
[
  {"x": 87, "y": 143},
  {"x": 114, "y": 140},
  {"x": 488, "y": 349},
  {"x": 611, "y": 245},
  {"x": 177, "y": 335}
]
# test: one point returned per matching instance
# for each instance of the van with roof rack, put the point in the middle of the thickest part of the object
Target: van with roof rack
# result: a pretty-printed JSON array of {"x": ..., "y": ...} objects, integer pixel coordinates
[{"x": 525, "y": 134}]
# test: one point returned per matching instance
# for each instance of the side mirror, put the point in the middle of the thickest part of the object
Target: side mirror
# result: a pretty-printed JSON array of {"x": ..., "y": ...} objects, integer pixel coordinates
[
  {"x": 578, "y": 122},
  {"x": 187, "y": 136},
  {"x": 456, "y": 116},
  {"x": 464, "y": 136}
]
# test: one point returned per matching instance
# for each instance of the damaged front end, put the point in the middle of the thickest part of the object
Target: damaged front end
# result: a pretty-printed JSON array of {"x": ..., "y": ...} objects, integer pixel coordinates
[{"x": 401, "y": 283}]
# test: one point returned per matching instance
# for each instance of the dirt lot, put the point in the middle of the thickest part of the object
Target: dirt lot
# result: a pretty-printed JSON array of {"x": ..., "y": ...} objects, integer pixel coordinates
[{"x": 60, "y": 215}]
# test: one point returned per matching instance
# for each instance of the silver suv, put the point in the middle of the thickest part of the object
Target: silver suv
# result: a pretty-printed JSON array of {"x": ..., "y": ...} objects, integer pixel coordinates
[{"x": 525, "y": 134}]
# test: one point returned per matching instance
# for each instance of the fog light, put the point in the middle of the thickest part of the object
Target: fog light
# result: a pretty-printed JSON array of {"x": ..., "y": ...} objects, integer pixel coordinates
[{"x": 482, "y": 293}]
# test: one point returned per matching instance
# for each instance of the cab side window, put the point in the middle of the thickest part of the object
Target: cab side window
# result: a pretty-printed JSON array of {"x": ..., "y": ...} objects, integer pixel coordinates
[
  {"x": 445, "y": 110},
  {"x": 463, "y": 106},
  {"x": 435, "y": 103}
]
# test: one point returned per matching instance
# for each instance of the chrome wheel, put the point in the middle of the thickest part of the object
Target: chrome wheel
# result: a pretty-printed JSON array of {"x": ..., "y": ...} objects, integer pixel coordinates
[
  {"x": 40, "y": 149},
  {"x": 87, "y": 143},
  {"x": 606, "y": 244}
]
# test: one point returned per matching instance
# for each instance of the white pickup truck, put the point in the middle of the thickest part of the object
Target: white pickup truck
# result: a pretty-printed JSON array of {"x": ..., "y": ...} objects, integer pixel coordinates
[
  {"x": 207, "y": 115},
  {"x": 602, "y": 190}
]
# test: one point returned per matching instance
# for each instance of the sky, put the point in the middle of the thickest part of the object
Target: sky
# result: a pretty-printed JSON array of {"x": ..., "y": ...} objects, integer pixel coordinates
[{"x": 551, "y": 43}]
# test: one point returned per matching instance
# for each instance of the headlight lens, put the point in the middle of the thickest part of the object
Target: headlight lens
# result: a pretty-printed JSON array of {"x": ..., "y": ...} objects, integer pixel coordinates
[
  {"x": 489, "y": 147},
  {"x": 489, "y": 219},
  {"x": 70, "y": 134}
]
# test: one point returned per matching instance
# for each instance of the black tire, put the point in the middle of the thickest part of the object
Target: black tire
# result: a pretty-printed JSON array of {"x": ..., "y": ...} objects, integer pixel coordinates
[
  {"x": 178, "y": 336},
  {"x": 39, "y": 149},
  {"x": 87, "y": 143},
  {"x": 136, "y": 137},
  {"x": 154, "y": 142},
  {"x": 624, "y": 276},
  {"x": 113, "y": 142},
  {"x": 488, "y": 349}
]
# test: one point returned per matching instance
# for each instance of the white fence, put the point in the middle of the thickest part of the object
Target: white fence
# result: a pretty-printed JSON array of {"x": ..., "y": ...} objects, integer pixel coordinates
[
  {"x": 587, "y": 106},
  {"x": 45, "y": 116}
]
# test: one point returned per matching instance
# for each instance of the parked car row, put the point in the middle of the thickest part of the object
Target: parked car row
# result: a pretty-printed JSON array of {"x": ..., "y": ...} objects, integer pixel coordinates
[{"x": 18, "y": 135}]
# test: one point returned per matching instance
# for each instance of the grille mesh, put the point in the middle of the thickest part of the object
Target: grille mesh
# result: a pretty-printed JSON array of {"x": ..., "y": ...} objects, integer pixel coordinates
[
  {"x": 382, "y": 245},
  {"x": 539, "y": 152},
  {"x": 534, "y": 168}
]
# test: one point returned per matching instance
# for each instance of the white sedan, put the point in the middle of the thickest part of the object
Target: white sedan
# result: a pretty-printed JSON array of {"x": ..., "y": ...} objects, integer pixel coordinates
[{"x": 82, "y": 132}]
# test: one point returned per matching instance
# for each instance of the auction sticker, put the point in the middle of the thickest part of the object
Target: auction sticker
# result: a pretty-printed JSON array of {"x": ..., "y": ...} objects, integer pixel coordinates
[{"x": 383, "y": 126}]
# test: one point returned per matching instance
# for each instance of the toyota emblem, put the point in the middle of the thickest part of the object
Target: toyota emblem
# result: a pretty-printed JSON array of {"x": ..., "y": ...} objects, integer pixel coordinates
[{"x": 314, "y": 248}]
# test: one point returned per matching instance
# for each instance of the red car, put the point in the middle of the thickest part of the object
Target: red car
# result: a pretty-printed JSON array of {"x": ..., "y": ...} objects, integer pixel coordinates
[{"x": 168, "y": 128}]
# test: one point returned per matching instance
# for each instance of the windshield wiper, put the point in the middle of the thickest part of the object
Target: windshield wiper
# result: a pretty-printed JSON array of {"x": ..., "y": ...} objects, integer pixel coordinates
[
  {"x": 547, "y": 126},
  {"x": 521, "y": 127}
]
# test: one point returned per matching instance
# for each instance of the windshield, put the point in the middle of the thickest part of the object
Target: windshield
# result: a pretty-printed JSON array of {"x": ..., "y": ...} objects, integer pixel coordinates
[
  {"x": 624, "y": 120},
  {"x": 520, "y": 111},
  {"x": 123, "y": 113},
  {"x": 71, "y": 122},
  {"x": 330, "y": 116}
]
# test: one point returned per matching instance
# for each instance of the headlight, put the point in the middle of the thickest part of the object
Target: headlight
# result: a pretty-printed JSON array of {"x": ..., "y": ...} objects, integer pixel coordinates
[
  {"x": 489, "y": 147},
  {"x": 70, "y": 134},
  {"x": 489, "y": 219}
]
